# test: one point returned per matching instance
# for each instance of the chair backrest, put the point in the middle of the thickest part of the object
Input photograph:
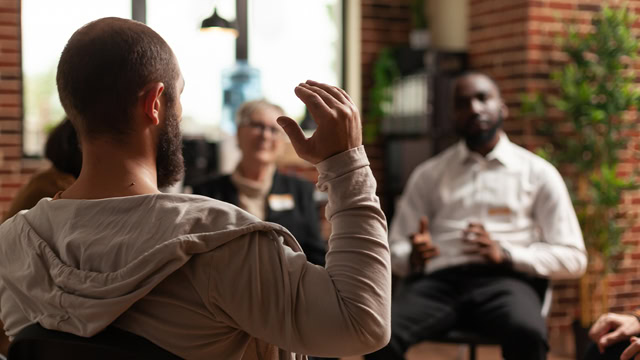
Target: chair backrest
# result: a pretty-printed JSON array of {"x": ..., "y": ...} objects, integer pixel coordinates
[
  {"x": 35, "y": 343},
  {"x": 546, "y": 301},
  {"x": 543, "y": 288}
]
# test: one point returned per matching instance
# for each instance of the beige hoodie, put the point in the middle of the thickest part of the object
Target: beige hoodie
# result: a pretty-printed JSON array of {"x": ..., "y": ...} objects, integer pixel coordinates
[{"x": 201, "y": 278}]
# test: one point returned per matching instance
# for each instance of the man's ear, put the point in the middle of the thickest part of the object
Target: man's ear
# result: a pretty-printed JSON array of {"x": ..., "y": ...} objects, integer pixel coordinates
[
  {"x": 504, "y": 110},
  {"x": 152, "y": 102}
]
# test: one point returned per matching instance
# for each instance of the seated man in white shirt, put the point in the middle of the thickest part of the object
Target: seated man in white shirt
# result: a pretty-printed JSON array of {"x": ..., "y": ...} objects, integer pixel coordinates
[
  {"x": 198, "y": 277},
  {"x": 476, "y": 225}
]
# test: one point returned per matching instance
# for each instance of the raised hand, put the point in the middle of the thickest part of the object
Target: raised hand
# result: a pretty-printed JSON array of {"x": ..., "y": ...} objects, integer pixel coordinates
[
  {"x": 339, "y": 126},
  {"x": 612, "y": 328},
  {"x": 479, "y": 242},
  {"x": 422, "y": 248}
]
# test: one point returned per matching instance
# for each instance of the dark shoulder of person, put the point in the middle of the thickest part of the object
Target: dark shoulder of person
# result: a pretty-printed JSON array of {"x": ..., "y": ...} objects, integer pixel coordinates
[
  {"x": 284, "y": 183},
  {"x": 217, "y": 187},
  {"x": 291, "y": 203}
]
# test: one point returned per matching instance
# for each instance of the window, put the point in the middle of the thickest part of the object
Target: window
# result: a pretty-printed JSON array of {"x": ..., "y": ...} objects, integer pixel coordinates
[
  {"x": 46, "y": 27},
  {"x": 290, "y": 41},
  {"x": 202, "y": 55}
]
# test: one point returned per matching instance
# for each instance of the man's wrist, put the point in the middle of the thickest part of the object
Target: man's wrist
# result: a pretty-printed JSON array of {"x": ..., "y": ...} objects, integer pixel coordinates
[
  {"x": 636, "y": 313},
  {"x": 341, "y": 164}
]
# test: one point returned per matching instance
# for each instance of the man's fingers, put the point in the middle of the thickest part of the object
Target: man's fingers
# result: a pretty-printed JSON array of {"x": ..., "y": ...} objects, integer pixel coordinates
[
  {"x": 295, "y": 134},
  {"x": 424, "y": 225},
  {"x": 331, "y": 90},
  {"x": 310, "y": 98},
  {"x": 471, "y": 249},
  {"x": 347, "y": 96},
  {"x": 431, "y": 252},
  {"x": 601, "y": 327},
  {"x": 476, "y": 225},
  {"x": 475, "y": 229},
  {"x": 422, "y": 247},
  {"x": 631, "y": 350},
  {"x": 612, "y": 338},
  {"x": 344, "y": 93},
  {"x": 326, "y": 97},
  {"x": 421, "y": 238},
  {"x": 426, "y": 253},
  {"x": 473, "y": 237}
]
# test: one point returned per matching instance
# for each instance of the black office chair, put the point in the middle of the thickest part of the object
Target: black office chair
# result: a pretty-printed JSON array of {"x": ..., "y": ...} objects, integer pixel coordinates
[
  {"x": 473, "y": 340},
  {"x": 37, "y": 343}
]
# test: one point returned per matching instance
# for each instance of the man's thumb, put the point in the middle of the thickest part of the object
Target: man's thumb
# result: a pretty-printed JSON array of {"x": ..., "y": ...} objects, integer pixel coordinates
[
  {"x": 424, "y": 224},
  {"x": 294, "y": 132}
]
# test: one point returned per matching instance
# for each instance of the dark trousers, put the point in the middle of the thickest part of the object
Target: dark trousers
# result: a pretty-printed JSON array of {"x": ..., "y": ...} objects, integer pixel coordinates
[
  {"x": 493, "y": 301},
  {"x": 613, "y": 352}
]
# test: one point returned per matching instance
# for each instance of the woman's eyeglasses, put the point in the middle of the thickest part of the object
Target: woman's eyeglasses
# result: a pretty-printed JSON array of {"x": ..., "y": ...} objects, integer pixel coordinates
[{"x": 260, "y": 128}]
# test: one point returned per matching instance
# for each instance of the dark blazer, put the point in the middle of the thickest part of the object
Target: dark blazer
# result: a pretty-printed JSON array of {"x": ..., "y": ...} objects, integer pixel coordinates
[{"x": 301, "y": 219}]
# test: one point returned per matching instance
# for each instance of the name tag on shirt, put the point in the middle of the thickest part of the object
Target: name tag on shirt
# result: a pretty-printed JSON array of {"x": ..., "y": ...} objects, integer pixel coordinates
[
  {"x": 281, "y": 202},
  {"x": 500, "y": 211}
]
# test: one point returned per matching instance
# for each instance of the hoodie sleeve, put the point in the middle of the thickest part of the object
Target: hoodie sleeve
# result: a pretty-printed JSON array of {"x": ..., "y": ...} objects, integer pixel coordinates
[{"x": 274, "y": 294}]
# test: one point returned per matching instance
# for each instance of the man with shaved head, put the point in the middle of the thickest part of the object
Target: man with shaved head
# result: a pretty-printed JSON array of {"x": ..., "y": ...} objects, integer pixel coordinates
[
  {"x": 477, "y": 230},
  {"x": 200, "y": 278}
]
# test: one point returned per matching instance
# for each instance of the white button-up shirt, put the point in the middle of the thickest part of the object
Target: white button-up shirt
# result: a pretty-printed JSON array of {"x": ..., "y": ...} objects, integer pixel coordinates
[{"x": 519, "y": 197}]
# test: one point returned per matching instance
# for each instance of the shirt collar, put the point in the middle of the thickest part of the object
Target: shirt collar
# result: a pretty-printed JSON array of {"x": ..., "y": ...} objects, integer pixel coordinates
[{"x": 503, "y": 152}]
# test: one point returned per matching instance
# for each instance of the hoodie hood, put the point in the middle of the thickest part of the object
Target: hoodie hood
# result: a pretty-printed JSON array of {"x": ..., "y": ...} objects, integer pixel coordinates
[{"x": 76, "y": 265}]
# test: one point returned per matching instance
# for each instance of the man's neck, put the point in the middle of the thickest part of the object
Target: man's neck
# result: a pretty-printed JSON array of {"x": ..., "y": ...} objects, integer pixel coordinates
[{"x": 113, "y": 170}]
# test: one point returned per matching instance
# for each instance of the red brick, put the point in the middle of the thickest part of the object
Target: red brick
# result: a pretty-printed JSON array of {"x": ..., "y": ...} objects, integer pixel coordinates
[
  {"x": 9, "y": 32},
  {"x": 10, "y": 100},
  {"x": 561, "y": 5},
  {"x": 10, "y": 72},
  {"x": 10, "y": 86},
  {"x": 9, "y": 45},
  {"x": 9, "y": 6}
]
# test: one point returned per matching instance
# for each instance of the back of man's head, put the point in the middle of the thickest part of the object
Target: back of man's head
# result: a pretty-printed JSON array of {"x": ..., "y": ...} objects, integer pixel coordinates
[{"x": 103, "y": 70}]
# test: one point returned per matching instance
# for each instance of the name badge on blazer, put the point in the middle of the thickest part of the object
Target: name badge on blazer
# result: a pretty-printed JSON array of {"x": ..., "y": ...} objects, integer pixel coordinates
[{"x": 281, "y": 202}]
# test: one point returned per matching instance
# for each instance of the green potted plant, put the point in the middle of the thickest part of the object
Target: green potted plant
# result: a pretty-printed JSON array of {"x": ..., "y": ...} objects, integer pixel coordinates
[
  {"x": 385, "y": 71},
  {"x": 596, "y": 92}
]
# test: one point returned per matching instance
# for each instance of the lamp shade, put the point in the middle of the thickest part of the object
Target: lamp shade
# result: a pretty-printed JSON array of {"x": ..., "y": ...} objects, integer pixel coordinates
[{"x": 215, "y": 21}]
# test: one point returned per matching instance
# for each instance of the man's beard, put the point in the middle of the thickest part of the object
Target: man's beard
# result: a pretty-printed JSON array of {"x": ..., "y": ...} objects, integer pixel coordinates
[
  {"x": 478, "y": 139},
  {"x": 169, "y": 161}
]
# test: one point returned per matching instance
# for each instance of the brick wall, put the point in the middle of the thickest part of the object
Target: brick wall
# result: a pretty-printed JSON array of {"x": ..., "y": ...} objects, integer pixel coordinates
[
  {"x": 14, "y": 170},
  {"x": 514, "y": 41}
]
